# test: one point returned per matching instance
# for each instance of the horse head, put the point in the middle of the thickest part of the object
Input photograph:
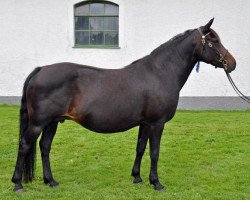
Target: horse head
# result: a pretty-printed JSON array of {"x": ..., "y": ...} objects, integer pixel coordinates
[{"x": 210, "y": 49}]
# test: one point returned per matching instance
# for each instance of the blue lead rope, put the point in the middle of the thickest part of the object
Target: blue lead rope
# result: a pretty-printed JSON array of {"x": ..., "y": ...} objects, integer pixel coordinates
[{"x": 198, "y": 66}]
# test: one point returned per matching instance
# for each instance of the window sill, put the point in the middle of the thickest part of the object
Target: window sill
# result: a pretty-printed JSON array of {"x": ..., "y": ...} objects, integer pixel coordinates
[{"x": 95, "y": 47}]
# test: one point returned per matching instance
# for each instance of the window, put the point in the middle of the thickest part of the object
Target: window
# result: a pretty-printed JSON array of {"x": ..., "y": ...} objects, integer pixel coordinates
[{"x": 96, "y": 24}]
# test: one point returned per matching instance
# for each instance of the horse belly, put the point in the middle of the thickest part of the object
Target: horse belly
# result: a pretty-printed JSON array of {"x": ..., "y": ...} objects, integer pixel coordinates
[{"x": 110, "y": 122}]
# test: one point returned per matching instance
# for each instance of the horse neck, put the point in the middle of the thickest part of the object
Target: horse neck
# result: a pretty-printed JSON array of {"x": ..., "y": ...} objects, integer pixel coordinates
[{"x": 176, "y": 61}]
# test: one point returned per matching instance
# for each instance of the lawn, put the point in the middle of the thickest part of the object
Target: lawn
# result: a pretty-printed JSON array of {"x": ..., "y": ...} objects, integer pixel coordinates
[{"x": 204, "y": 155}]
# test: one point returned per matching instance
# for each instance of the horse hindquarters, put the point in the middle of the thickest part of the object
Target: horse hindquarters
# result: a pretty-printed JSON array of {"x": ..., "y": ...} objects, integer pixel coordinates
[
  {"x": 25, "y": 164},
  {"x": 27, "y": 142}
]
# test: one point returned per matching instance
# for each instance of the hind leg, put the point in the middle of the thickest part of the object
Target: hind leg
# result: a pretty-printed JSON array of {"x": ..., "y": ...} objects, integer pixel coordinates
[
  {"x": 140, "y": 149},
  {"x": 26, "y": 144},
  {"x": 45, "y": 146}
]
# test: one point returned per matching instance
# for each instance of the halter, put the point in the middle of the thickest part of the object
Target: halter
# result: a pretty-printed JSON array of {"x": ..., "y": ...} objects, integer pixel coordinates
[{"x": 221, "y": 59}]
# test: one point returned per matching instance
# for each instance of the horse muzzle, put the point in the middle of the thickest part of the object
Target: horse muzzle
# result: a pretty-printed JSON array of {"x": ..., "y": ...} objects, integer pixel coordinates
[
  {"x": 230, "y": 67},
  {"x": 227, "y": 62}
]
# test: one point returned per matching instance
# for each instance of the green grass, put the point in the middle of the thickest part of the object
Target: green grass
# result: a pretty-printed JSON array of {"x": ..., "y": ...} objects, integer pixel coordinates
[{"x": 204, "y": 155}]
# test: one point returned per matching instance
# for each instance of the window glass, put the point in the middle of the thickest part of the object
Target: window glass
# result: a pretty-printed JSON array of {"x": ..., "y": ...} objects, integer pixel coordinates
[
  {"x": 97, "y": 9},
  {"x": 111, "y": 23},
  {"x": 96, "y": 38},
  {"x": 111, "y": 38},
  {"x": 82, "y": 38},
  {"x": 111, "y": 9},
  {"x": 96, "y": 24},
  {"x": 82, "y": 10},
  {"x": 81, "y": 23}
]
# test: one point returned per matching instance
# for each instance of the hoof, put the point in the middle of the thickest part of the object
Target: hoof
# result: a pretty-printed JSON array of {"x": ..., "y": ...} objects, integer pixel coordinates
[
  {"x": 138, "y": 180},
  {"x": 163, "y": 189},
  {"x": 159, "y": 187},
  {"x": 18, "y": 189},
  {"x": 52, "y": 183}
]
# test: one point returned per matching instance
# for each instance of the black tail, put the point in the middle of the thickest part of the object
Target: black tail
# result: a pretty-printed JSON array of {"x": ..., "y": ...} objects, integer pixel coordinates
[{"x": 29, "y": 161}]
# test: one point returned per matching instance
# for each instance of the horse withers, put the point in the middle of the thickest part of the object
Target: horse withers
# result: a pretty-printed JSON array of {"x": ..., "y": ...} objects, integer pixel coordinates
[{"x": 144, "y": 93}]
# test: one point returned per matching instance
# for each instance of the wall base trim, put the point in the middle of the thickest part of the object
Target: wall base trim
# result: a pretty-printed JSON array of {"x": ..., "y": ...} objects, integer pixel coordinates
[
  {"x": 213, "y": 103},
  {"x": 185, "y": 103}
]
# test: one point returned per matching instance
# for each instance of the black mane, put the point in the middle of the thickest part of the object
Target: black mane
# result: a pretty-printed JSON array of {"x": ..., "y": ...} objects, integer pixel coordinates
[{"x": 178, "y": 37}]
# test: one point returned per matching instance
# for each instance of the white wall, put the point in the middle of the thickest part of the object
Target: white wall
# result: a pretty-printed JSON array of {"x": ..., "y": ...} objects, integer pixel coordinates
[{"x": 38, "y": 32}]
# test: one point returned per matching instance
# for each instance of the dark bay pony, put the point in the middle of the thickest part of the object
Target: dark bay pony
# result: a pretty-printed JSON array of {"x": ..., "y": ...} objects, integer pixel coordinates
[{"x": 143, "y": 94}]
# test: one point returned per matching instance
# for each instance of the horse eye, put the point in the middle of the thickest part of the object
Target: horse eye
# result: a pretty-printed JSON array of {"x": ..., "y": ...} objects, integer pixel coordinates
[{"x": 214, "y": 40}]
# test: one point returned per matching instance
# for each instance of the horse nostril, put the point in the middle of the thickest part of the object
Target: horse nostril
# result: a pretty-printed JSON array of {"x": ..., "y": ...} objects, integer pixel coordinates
[{"x": 234, "y": 65}]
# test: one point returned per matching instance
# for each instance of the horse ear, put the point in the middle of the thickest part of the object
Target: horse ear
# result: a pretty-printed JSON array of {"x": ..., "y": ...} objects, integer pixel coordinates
[{"x": 208, "y": 25}]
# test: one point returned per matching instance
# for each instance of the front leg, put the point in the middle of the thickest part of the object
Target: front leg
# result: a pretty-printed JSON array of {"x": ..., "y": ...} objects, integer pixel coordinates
[
  {"x": 154, "y": 141},
  {"x": 140, "y": 149}
]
